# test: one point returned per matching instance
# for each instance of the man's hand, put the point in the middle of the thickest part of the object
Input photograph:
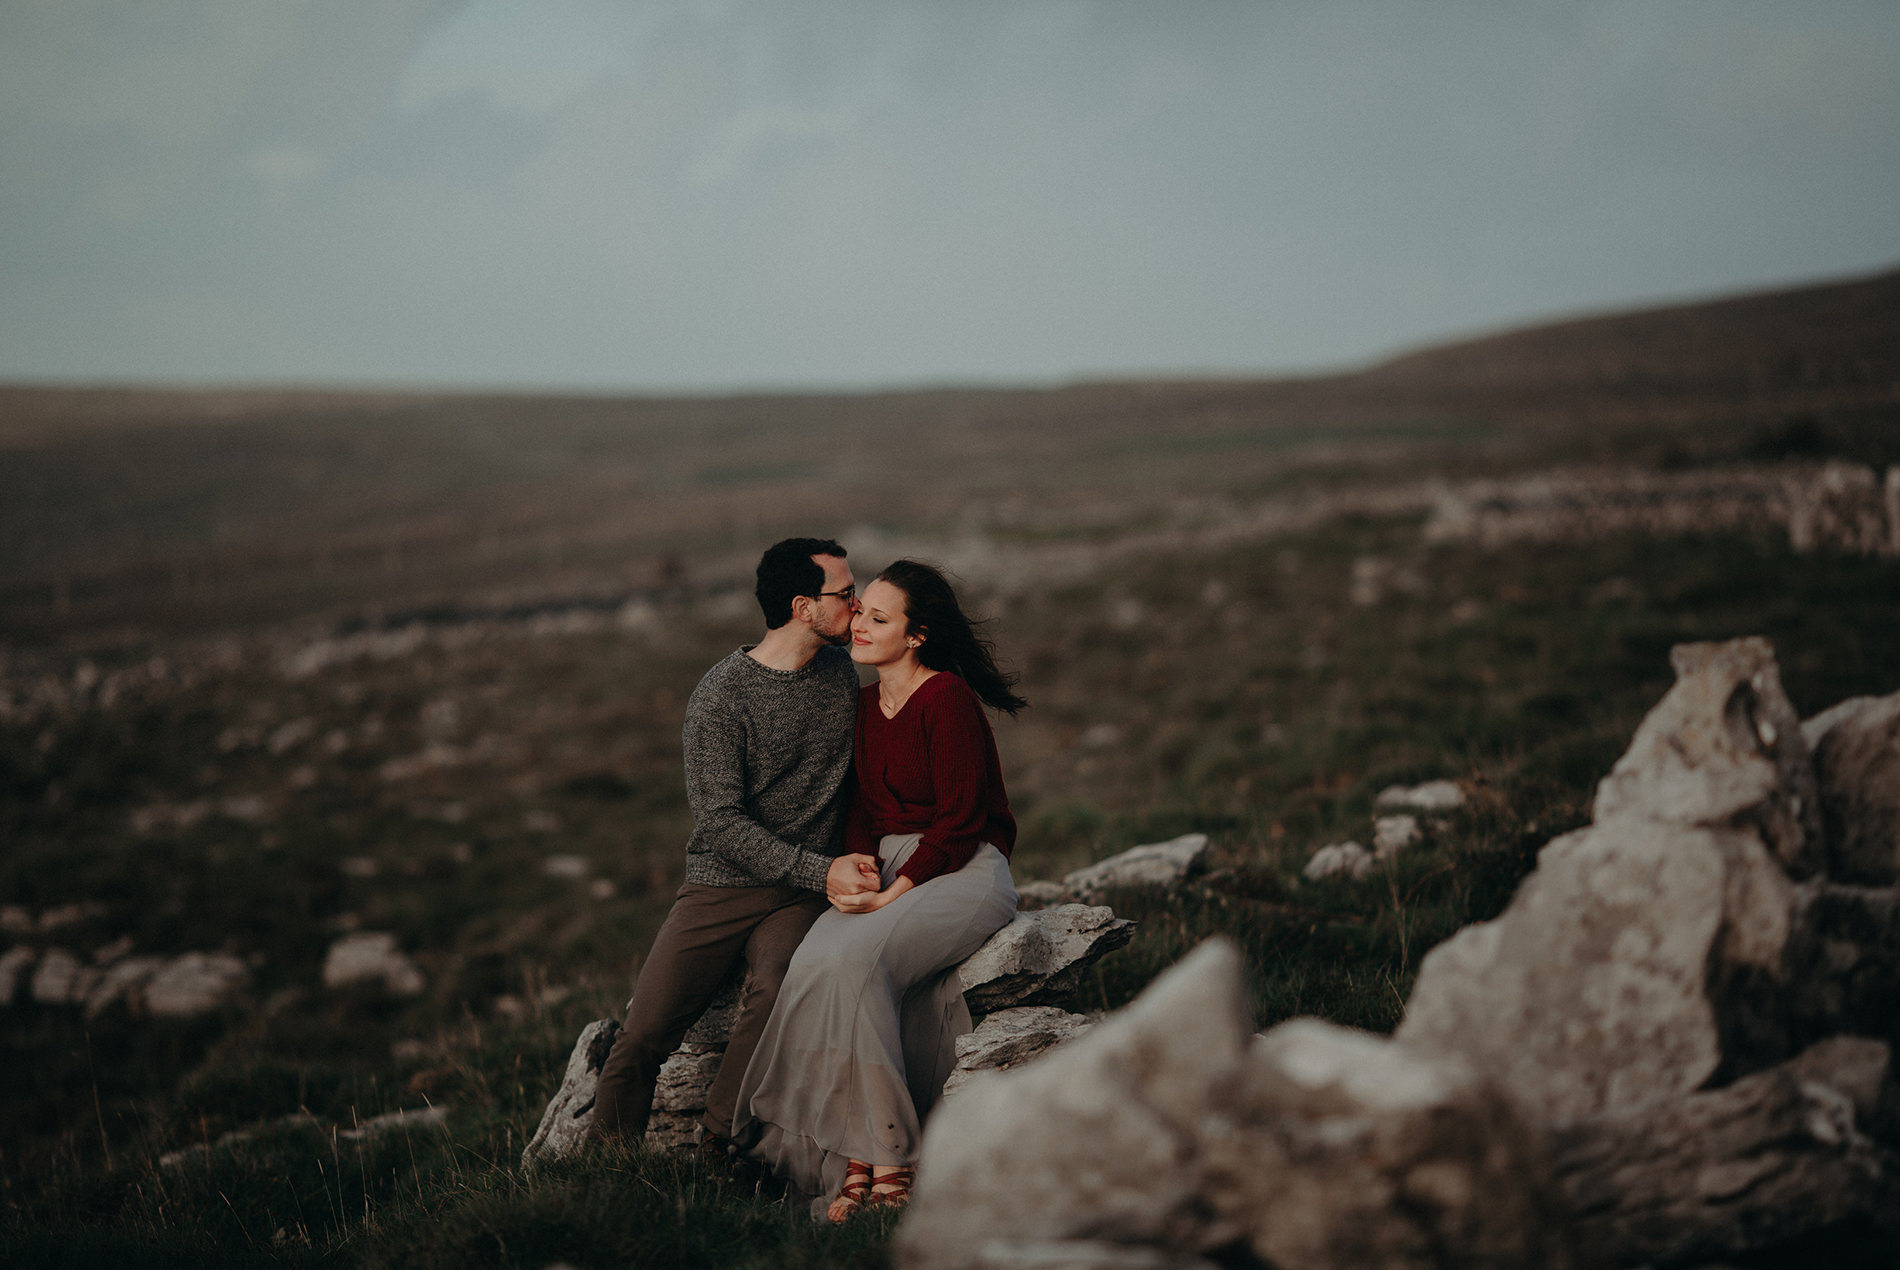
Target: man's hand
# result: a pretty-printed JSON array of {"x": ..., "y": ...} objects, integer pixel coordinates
[
  {"x": 850, "y": 875},
  {"x": 871, "y": 901}
]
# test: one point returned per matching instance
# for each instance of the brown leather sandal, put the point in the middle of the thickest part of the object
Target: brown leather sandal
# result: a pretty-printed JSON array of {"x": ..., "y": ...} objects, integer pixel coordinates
[
  {"x": 900, "y": 1181},
  {"x": 853, "y": 1195}
]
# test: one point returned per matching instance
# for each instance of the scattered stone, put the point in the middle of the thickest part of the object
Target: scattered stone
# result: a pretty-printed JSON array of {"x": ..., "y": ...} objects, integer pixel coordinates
[
  {"x": 1010, "y": 1037},
  {"x": 371, "y": 957},
  {"x": 1167, "y": 1131},
  {"x": 61, "y": 978},
  {"x": 1041, "y": 956},
  {"x": 414, "y": 1118},
  {"x": 13, "y": 967},
  {"x": 1431, "y": 797},
  {"x": 539, "y": 821},
  {"x": 124, "y": 983},
  {"x": 70, "y": 915},
  {"x": 16, "y": 919},
  {"x": 566, "y": 866},
  {"x": 1840, "y": 508},
  {"x": 1155, "y": 864},
  {"x": 195, "y": 983},
  {"x": 1393, "y": 834},
  {"x": 1338, "y": 859}
]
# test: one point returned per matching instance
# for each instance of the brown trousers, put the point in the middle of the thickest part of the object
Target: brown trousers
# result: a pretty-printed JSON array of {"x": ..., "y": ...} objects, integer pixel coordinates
[{"x": 705, "y": 934}]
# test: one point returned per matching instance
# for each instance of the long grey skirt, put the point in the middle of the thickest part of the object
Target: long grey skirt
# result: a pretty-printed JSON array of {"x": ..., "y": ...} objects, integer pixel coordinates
[{"x": 864, "y": 1032}]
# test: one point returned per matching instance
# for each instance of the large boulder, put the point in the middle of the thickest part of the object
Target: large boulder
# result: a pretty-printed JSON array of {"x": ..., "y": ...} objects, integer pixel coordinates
[
  {"x": 1170, "y": 1135},
  {"x": 1651, "y": 949},
  {"x": 1039, "y": 957},
  {"x": 1723, "y": 748},
  {"x": 1857, "y": 766},
  {"x": 1680, "y": 993}
]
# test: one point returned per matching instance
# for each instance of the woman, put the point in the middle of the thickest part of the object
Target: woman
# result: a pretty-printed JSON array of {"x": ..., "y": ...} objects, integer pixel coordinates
[{"x": 864, "y": 1032}]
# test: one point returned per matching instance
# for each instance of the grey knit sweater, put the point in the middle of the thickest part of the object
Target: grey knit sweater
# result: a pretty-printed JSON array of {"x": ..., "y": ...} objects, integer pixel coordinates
[{"x": 768, "y": 756}]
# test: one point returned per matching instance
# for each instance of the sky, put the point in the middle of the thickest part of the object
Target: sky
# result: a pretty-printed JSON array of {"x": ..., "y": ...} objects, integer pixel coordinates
[{"x": 741, "y": 195}]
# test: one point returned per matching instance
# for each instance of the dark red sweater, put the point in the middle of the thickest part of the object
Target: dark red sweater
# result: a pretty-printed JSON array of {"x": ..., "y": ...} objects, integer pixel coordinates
[{"x": 932, "y": 771}]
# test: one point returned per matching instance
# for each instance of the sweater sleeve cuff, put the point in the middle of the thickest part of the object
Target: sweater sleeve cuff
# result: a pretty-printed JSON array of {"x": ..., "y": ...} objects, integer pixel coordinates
[
  {"x": 926, "y": 862},
  {"x": 809, "y": 871}
]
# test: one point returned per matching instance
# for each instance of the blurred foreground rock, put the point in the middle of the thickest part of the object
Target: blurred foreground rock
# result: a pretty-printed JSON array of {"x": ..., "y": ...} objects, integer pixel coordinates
[
  {"x": 1675, "y": 1046},
  {"x": 1170, "y": 1131},
  {"x": 1037, "y": 957}
]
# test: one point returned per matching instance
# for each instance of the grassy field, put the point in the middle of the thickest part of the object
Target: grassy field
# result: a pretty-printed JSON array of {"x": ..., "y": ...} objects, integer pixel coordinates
[{"x": 420, "y": 786}]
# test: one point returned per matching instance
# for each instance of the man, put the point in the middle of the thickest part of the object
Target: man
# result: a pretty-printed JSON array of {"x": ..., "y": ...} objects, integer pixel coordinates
[{"x": 768, "y": 761}]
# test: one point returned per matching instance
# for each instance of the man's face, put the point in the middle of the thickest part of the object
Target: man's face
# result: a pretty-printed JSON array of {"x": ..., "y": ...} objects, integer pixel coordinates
[{"x": 832, "y": 611}]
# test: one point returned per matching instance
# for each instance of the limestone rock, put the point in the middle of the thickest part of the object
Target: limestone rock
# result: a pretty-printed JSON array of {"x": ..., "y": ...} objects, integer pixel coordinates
[
  {"x": 1154, "y": 864},
  {"x": 1010, "y": 1037},
  {"x": 1840, "y": 508},
  {"x": 195, "y": 983},
  {"x": 569, "y": 1114},
  {"x": 124, "y": 983},
  {"x": 1393, "y": 834},
  {"x": 364, "y": 957},
  {"x": 1168, "y": 1129},
  {"x": 686, "y": 1077},
  {"x": 1338, "y": 859},
  {"x": 1722, "y": 747},
  {"x": 1776, "y": 1155},
  {"x": 1857, "y": 767},
  {"x": 1433, "y": 797},
  {"x": 1590, "y": 993},
  {"x": 1040, "y": 956},
  {"x": 62, "y": 979}
]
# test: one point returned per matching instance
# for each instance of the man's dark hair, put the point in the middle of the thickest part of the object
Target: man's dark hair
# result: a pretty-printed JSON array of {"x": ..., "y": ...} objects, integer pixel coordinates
[{"x": 787, "y": 571}]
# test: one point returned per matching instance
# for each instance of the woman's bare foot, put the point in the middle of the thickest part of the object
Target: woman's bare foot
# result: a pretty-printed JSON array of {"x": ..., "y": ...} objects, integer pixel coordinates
[{"x": 853, "y": 1195}]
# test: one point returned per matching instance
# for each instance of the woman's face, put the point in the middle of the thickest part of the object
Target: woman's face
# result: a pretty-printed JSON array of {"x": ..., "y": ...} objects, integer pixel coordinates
[{"x": 878, "y": 635}]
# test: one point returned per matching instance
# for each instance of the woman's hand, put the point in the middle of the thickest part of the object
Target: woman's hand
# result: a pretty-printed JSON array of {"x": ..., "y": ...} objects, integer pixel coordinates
[{"x": 871, "y": 901}]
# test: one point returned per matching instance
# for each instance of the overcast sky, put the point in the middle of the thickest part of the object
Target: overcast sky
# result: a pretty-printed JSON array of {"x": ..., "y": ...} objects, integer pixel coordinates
[{"x": 729, "y": 194}]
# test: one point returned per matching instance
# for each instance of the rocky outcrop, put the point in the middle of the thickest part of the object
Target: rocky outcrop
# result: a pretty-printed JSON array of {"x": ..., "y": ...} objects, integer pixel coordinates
[
  {"x": 1170, "y": 1135},
  {"x": 1675, "y": 1045},
  {"x": 1667, "y": 992},
  {"x": 1338, "y": 860},
  {"x": 1041, "y": 956},
  {"x": 1038, "y": 957}
]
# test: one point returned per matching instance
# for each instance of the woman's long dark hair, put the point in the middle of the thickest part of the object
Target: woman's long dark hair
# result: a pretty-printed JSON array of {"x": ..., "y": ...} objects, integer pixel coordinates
[{"x": 952, "y": 641}]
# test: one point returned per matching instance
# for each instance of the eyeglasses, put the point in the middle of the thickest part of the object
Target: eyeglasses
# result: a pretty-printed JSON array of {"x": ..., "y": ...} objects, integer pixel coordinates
[{"x": 848, "y": 594}]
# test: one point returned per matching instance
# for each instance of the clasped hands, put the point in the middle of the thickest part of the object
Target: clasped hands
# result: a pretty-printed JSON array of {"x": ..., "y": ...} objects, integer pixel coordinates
[{"x": 852, "y": 885}]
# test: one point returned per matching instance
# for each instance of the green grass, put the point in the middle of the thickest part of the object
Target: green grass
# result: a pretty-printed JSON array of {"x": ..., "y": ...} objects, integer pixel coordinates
[{"x": 1267, "y": 711}]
